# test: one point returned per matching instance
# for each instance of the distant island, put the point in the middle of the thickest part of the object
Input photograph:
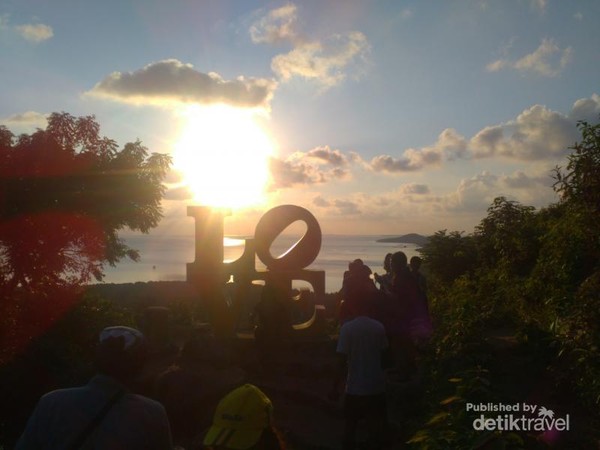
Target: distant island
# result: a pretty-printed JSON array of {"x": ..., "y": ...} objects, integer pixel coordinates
[{"x": 411, "y": 238}]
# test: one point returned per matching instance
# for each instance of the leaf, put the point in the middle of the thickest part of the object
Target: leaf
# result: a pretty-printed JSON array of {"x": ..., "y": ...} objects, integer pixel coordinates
[{"x": 450, "y": 400}]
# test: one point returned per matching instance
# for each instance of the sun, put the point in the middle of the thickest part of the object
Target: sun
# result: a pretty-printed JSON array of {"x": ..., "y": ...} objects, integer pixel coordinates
[{"x": 223, "y": 154}]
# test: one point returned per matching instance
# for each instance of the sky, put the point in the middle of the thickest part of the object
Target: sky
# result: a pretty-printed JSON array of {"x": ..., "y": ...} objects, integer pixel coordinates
[{"x": 379, "y": 117}]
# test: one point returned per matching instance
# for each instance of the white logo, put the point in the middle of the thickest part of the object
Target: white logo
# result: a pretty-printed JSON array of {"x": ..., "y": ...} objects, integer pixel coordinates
[{"x": 516, "y": 417}]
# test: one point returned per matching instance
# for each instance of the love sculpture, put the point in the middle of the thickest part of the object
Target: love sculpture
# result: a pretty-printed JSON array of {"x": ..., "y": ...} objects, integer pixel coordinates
[{"x": 208, "y": 273}]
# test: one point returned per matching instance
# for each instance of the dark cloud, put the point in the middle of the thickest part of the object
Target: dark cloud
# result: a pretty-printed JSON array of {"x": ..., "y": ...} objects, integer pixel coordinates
[{"x": 169, "y": 81}]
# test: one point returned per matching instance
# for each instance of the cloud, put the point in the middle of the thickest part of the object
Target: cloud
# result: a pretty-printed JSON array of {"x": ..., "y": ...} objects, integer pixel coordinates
[
  {"x": 578, "y": 16},
  {"x": 278, "y": 26},
  {"x": 450, "y": 145},
  {"x": 29, "y": 119},
  {"x": 319, "y": 165},
  {"x": 179, "y": 193},
  {"x": 35, "y": 32},
  {"x": 171, "y": 81},
  {"x": 475, "y": 194},
  {"x": 537, "y": 134},
  {"x": 324, "y": 61},
  {"x": 586, "y": 109},
  {"x": 540, "y": 5},
  {"x": 547, "y": 60},
  {"x": 520, "y": 180},
  {"x": 338, "y": 206},
  {"x": 414, "y": 188},
  {"x": 326, "y": 155}
]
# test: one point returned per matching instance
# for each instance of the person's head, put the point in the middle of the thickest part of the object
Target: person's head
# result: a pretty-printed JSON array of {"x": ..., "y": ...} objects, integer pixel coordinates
[
  {"x": 387, "y": 263},
  {"x": 243, "y": 421},
  {"x": 121, "y": 352},
  {"x": 398, "y": 262},
  {"x": 415, "y": 263}
]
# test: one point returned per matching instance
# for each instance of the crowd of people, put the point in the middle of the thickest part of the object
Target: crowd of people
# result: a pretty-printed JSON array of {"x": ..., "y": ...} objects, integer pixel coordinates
[{"x": 383, "y": 319}]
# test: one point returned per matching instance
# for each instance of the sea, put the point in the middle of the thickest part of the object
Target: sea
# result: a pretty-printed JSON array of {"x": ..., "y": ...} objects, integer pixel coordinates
[{"x": 164, "y": 258}]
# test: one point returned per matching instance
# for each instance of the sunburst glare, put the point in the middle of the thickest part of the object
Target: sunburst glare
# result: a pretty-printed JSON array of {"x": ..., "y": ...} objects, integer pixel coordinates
[{"x": 223, "y": 155}]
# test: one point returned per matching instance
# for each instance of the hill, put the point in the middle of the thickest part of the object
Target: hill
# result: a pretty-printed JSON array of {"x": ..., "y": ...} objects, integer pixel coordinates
[{"x": 411, "y": 238}]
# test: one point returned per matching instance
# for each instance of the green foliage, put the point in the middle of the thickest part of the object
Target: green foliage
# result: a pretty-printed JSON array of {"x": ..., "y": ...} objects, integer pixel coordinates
[
  {"x": 449, "y": 255},
  {"x": 524, "y": 305},
  {"x": 508, "y": 237},
  {"x": 580, "y": 183},
  {"x": 66, "y": 192}
]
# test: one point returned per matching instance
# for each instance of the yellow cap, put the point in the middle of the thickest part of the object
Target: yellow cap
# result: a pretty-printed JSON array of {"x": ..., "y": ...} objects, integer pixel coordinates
[{"x": 240, "y": 418}]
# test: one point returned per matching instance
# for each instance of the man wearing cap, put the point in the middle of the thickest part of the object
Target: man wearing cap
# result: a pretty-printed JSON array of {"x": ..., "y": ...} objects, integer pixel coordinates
[
  {"x": 242, "y": 421},
  {"x": 103, "y": 414}
]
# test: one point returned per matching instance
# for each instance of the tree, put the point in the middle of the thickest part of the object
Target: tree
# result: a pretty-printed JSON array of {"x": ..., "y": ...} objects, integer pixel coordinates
[
  {"x": 580, "y": 183},
  {"x": 65, "y": 193},
  {"x": 508, "y": 237},
  {"x": 449, "y": 255}
]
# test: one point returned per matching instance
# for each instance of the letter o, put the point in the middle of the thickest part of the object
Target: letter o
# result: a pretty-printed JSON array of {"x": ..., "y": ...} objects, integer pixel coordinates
[{"x": 299, "y": 255}]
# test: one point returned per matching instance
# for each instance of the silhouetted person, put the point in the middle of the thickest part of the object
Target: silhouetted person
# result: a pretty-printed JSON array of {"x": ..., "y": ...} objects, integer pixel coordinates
[
  {"x": 361, "y": 346},
  {"x": 191, "y": 389},
  {"x": 405, "y": 309},
  {"x": 421, "y": 325},
  {"x": 274, "y": 317},
  {"x": 103, "y": 414},
  {"x": 243, "y": 420},
  {"x": 385, "y": 280}
]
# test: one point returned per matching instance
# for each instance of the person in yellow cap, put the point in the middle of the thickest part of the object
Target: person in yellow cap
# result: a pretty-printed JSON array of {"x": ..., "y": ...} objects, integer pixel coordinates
[{"x": 243, "y": 421}]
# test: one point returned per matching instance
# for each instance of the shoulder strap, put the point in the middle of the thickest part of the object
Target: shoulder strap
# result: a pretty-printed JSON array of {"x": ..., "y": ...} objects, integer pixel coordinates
[{"x": 80, "y": 439}]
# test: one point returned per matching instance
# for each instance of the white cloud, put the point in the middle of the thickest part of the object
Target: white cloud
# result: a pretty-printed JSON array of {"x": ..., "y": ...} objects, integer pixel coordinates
[
  {"x": 278, "y": 26},
  {"x": 587, "y": 109},
  {"x": 537, "y": 134},
  {"x": 35, "y": 32},
  {"x": 325, "y": 61},
  {"x": 171, "y": 81},
  {"x": 327, "y": 155},
  {"x": 28, "y": 119},
  {"x": 547, "y": 60},
  {"x": 450, "y": 145},
  {"x": 316, "y": 166}
]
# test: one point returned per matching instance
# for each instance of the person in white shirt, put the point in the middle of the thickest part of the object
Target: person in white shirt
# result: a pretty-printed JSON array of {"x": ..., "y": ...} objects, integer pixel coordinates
[
  {"x": 361, "y": 346},
  {"x": 104, "y": 414}
]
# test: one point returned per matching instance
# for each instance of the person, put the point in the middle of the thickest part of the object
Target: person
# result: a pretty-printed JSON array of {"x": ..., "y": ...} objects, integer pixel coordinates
[
  {"x": 273, "y": 331},
  {"x": 104, "y": 414},
  {"x": 361, "y": 347},
  {"x": 243, "y": 421},
  {"x": 191, "y": 388},
  {"x": 385, "y": 280},
  {"x": 405, "y": 298},
  {"x": 358, "y": 276},
  {"x": 421, "y": 327}
]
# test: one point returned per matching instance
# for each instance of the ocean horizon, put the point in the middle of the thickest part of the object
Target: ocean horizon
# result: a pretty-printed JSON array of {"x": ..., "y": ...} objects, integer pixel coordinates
[{"x": 164, "y": 258}]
